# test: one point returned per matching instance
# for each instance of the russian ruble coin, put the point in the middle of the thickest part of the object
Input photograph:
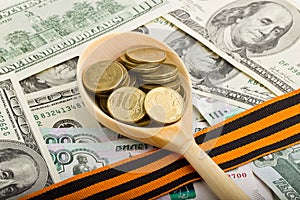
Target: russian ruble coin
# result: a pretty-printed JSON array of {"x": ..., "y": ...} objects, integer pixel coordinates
[
  {"x": 126, "y": 104},
  {"x": 133, "y": 79},
  {"x": 145, "y": 54},
  {"x": 103, "y": 103},
  {"x": 164, "y": 105},
  {"x": 147, "y": 87},
  {"x": 145, "y": 68},
  {"x": 159, "y": 81},
  {"x": 104, "y": 76},
  {"x": 165, "y": 70},
  {"x": 126, "y": 79},
  {"x": 127, "y": 63}
]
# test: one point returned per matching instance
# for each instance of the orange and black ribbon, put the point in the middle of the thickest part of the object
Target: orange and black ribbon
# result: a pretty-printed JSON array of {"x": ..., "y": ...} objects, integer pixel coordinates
[{"x": 263, "y": 129}]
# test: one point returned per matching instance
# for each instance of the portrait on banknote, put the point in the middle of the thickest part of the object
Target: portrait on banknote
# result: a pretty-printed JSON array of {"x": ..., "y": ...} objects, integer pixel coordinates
[
  {"x": 204, "y": 66},
  {"x": 60, "y": 74},
  {"x": 22, "y": 170},
  {"x": 254, "y": 28}
]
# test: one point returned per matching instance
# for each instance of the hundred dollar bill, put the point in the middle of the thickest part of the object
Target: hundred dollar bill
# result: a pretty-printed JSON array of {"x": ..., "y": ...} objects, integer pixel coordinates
[
  {"x": 258, "y": 37},
  {"x": 38, "y": 33},
  {"x": 79, "y": 135},
  {"x": 281, "y": 172},
  {"x": 25, "y": 163},
  {"x": 71, "y": 159},
  {"x": 211, "y": 75},
  {"x": 60, "y": 107}
]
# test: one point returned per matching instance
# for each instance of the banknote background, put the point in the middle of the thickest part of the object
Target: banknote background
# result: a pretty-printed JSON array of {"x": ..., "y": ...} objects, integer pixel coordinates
[{"x": 49, "y": 97}]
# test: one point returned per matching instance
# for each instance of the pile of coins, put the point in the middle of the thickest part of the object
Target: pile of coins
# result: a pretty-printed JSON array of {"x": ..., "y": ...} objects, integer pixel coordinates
[{"x": 137, "y": 88}]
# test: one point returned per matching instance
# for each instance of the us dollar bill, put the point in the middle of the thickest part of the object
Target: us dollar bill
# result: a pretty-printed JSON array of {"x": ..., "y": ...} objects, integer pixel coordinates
[
  {"x": 60, "y": 107},
  {"x": 25, "y": 163},
  {"x": 79, "y": 135},
  {"x": 281, "y": 172},
  {"x": 210, "y": 75},
  {"x": 71, "y": 159},
  {"x": 54, "y": 98},
  {"x": 33, "y": 36},
  {"x": 259, "y": 38}
]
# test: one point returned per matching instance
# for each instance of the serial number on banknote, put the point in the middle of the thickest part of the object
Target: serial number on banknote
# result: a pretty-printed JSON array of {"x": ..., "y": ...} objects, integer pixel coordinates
[
  {"x": 237, "y": 175},
  {"x": 3, "y": 125},
  {"x": 56, "y": 112}
]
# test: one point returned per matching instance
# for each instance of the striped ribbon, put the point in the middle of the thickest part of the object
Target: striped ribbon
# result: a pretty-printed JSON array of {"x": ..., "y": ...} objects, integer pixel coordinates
[{"x": 263, "y": 129}]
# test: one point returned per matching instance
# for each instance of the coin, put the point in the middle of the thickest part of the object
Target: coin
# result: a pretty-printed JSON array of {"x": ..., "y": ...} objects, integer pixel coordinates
[
  {"x": 128, "y": 64},
  {"x": 103, "y": 103},
  {"x": 164, "y": 105},
  {"x": 102, "y": 77},
  {"x": 133, "y": 79},
  {"x": 165, "y": 70},
  {"x": 161, "y": 81},
  {"x": 126, "y": 104},
  {"x": 146, "y": 54},
  {"x": 144, "y": 68}
]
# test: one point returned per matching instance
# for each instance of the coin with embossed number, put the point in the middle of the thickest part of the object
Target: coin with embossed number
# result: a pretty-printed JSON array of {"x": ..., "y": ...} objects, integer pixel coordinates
[
  {"x": 126, "y": 104},
  {"x": 104, "y": 76},
  {"x": 164, "y": 105},
  {"x": 145, "y": 54}
]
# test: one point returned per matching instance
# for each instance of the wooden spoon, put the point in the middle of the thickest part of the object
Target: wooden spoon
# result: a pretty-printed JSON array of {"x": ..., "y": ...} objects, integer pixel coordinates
[{"x": 175, "y": 137}]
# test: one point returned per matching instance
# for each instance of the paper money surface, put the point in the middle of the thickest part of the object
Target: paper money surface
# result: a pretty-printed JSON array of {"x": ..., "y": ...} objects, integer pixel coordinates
[
  {"x": 262, "y": 43},
  {"x": 60, "y": 107},
  {"x": 243, "y": 177},
  {"x": 79, "y": 135},
  {"x": 211, "y": 75},
  {"x": 25, "y": 163},
  {"x": 215, "y": 111},
  {"x": 72, "y": 159},
  {"x": 36, "y": 33},
  {"x": 281, "y": 172}
]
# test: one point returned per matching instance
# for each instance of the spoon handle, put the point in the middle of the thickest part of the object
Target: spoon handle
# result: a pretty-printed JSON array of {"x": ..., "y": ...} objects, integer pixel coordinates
[{"x": 213, "y": 175}]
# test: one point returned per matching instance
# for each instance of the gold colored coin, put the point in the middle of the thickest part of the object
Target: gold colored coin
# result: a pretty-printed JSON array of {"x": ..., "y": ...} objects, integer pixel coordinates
[
  {"x": 145, "y": 54},
  {"x": 164, "y": 71},
  {"x": 126, "y": 79},
  {"x": 128, "y": 64},
  {"x": 144, "y": 68},
  {"x": 126, "y": 104},
  {"x": 102, "y": 77},
  {"x": 161, "y": 81},
  {"x": 103, "y": 103},
  {"x": 175, "y": 85},
  {"x": 164, "y": 105}
]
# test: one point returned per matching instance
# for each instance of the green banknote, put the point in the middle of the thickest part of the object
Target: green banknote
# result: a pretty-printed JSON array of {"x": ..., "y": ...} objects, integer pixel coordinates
[
  {"x": 25, "y": 164},
  {"x": 281, "y": 172},
  {"x": 39, "y": 33}
]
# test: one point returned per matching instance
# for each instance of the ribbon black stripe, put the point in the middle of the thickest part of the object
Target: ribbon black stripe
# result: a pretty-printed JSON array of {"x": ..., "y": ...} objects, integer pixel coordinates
[
  {"x": 140, "y": 181},
  {"x": 250, "y": 118},
  {"x": 73, "y": 186},
  {"x": 170, "y": 186},
  {"x": 255, "y": 154},
  {"x": 268, "y": 131}
]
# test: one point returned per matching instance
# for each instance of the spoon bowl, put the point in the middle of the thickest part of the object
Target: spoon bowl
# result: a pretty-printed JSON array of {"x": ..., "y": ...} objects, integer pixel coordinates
[{"x": 176, "y": 137}]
